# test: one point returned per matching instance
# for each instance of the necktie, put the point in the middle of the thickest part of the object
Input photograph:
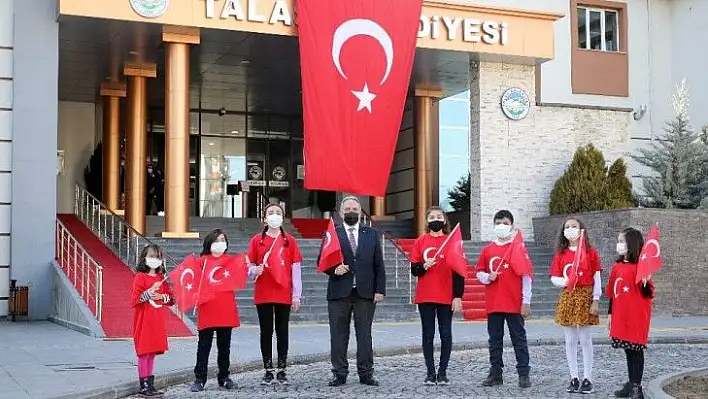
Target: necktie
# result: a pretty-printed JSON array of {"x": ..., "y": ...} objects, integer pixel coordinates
[{"x": 352, "y": 240}]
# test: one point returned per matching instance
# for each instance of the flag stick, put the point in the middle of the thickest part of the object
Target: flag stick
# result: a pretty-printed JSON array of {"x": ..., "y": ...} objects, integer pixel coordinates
[
  {"x": 457, "y": 226},
  {"x": 199, "y": 290},
  {"x": 267, "y": 255}
]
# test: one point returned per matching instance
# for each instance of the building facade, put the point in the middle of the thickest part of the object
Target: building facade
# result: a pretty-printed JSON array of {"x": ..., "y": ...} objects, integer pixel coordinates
[{"x": 571, "y": 72}]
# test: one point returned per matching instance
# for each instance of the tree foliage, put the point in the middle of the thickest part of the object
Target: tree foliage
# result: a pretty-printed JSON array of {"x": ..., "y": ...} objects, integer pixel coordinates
[
  {"x": 459, "y": 195},
  {"x": 587, "y": 185},
  {"x": 677, "y": 159}
]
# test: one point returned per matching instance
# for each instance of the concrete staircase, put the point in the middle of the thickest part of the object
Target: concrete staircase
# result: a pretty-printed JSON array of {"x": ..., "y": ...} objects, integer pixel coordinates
[{"x": 235, "y": 228}]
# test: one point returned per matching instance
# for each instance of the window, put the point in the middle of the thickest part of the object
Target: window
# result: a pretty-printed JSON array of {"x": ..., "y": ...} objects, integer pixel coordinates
[{"x": 598, "y": 29}]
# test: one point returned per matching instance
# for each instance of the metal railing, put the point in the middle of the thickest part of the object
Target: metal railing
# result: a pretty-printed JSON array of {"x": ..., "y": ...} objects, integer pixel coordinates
[
  {"x": 80, "y": 268},
  {"x": 400, "y": 258},
  {"x": 121, "y": 238}
]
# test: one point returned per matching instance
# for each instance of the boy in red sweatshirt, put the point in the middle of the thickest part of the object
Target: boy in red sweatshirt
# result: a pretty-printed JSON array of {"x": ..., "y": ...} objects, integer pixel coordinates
[{"x": 508, "y": 297}]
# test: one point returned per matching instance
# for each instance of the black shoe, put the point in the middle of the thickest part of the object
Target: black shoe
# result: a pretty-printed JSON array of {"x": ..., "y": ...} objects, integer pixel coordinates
[
  {"x": 370, "y": 381},
  {"x": 197, "y": 386},
  {"x": 267, "y": 378},
  {"x": 282, "y": 377},
  {"x": 143, "y": 387},
  {"x": 586, "y": 387},
  {"x": 227, "y": 383},
  {"x": 442, "y": 379},
  {"x": 337, "y": 381},
  {"x": 150, "y": 384},
  {"x": 625, "y": 391},
  {"x": 431, "y": 379},
  {"x": 574, "y": 386},
  {"x": 524, "y": 381},
  {"x": 636, "y": 392},
  {"x": 493, "y": 380}
]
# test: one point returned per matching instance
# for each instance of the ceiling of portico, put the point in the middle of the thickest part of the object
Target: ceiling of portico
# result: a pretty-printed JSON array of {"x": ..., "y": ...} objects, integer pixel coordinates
[{"x": 236, "y": 70}]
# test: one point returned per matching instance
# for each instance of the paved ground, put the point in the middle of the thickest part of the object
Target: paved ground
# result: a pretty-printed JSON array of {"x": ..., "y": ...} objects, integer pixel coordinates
[
  {"x": 400, "y": 376},
  {"x": 44, "y": 360}
]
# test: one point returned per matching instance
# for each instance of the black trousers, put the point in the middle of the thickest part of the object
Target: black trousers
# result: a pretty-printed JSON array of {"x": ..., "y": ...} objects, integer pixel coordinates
[
  {"x": 495, "y": 328},
  {"x": 340, "y": 316},
  {"x": 278, "y": 315},
  {"x": 635, "y": 365},
  {"x": 428, "y": 313},
  {"x": 223, "y": 345}
]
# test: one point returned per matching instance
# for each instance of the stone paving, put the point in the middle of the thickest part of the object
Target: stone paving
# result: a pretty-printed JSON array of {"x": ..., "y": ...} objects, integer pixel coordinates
[{"x": 401, "y": 376}]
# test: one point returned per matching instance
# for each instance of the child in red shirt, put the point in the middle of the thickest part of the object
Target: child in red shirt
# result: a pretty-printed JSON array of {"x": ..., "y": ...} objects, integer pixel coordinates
[
  {"x": 275, "y": 300},
  {"x": 577, "y": 310},
  {"x": 630, "y": 310},
  {"x": 151, "y": 299},
  {"x": 218, "y": 316},
  {"x": 508, "y": 298},
  {"x": 438, "y": 293}
]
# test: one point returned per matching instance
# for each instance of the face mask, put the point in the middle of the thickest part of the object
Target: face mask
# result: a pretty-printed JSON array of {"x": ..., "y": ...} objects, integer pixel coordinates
[
  {"x": 571, "y": 233},
  {"x": 153, "y": 263},
  {"x": 218, "y": 247},
  {"x": 622, "y": 248},
  {"x": 502, "y": 230},
  {"x": 351, "y": 218},
  {"x": 274, "y": 221},
  {"x": 436, "y": 225}
]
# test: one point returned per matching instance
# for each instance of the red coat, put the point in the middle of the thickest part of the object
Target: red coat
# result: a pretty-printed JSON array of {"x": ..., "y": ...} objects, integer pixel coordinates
[
  {"x": 266, "y": 289},
  {"x": 503, "y": 295},
  {"x": 149, "y": 318},
  {"x": 631, "y": 311},
  {"x": 221, "y": 311},
  {"x": 587, "y": 268},
  {"x": 435, "y": 286}
]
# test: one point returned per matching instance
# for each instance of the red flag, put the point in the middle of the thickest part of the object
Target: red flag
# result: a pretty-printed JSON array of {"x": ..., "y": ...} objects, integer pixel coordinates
[
  {"x": 273, "y": 261},
  {"x": 331, "y": 252},
  {"x": 650, "y": 259},
  {"x": 453, "y": 251},
  {"x": 234, "y": 274},
  {"x": 185, "y": 278},
  {"x": 571, "y": 273},
  {"x": 356, "y": 58},
  {"x": 518, "y": 257}
]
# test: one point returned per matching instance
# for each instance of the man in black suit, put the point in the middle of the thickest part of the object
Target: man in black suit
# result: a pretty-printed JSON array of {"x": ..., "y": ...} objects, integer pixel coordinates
[{"x": 355, "y": 286}]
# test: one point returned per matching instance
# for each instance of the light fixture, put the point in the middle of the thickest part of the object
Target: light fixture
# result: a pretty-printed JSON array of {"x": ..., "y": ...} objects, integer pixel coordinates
[
  {"x": 134, "y": 53},
  {"x": 639, "y": 113},
  {"x": 211, "y": 143},
  {"x": 245, "y": 62},
  {"x": 234, "y": 132}
]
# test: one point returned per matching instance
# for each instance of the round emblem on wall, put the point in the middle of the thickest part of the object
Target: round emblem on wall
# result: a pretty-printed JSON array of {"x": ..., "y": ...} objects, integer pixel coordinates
[
  {"x": 255, "y": 172},
  {"x": 149, "y": 8},
  {"x": 515, "y": 103},
  {"x": 279, "y": 173}
]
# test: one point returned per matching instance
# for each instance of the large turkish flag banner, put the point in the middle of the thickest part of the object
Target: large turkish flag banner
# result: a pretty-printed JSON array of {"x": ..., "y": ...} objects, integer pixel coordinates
[{"x": 356, "y": 58}]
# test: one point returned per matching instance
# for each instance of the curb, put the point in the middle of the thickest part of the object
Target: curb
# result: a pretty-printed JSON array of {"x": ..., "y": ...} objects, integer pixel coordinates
[
  {"x": 185, "y": 375},
  {"x": 655, "y": 388}
]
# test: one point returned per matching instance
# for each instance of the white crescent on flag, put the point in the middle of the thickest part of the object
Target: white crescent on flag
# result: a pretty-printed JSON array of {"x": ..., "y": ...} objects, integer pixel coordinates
[
  {"x": 427, "y": 257},
  {"x": 184, "y": 274},
  {"x": 491, "y": 264},
  {"x": 328, "y": 239},
  {"x": 212, "y": 279},
  {"x": 654, "y": 243},
  {"x": 154, "y": 304},
  {"x": 565, "y": 270},
  {"x": 614, "y": 289}
]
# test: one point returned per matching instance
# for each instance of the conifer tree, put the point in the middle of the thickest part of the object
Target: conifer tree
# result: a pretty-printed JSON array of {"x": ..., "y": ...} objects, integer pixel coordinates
[
  {"x": 459, "y": 195},
  {"x": 583, "y": 186},
  {"x": 619, "y": 186}
]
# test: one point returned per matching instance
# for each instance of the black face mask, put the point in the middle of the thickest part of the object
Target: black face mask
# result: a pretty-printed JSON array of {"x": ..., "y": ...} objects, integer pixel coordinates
[
  {"x": 436, "y": 225},
  {"x": 351, "y": 218}
]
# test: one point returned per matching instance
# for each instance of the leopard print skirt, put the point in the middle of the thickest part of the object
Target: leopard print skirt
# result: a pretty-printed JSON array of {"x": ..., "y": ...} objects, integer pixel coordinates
[{"x": 573, "y": 308}]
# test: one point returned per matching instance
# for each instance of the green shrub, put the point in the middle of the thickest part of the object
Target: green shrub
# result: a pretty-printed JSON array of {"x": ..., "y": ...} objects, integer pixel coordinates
[{"x": 619, "y": 186}]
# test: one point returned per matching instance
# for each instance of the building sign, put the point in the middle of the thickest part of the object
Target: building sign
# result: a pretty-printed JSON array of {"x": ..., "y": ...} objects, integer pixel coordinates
[
  {"x": 465, "y": 29},
  {"x": 454, "y": 26}
]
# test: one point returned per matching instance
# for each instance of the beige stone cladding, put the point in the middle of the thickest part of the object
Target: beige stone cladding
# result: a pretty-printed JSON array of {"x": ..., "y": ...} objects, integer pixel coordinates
[{"x": 514, "y": 164}]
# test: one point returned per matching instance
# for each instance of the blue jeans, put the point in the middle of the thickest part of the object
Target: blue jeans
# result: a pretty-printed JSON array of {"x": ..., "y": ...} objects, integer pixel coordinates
[
  {"x": 517, "y": 331},
  {"x": 428, "y": 313}
]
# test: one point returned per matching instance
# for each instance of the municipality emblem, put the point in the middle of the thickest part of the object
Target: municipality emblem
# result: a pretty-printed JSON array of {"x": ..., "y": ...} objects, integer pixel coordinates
[
  {"x": 515, "y": 103},
  {"x": 149, "y": 8}
]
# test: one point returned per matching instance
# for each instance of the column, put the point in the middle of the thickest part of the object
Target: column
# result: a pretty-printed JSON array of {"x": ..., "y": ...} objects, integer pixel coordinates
[
  {"x": 377, "y": 205},
  {"x": 177, "y": 41},
  {"x": 136, "y": 143},
  {"x": 6, "y": 53},
  {"x": 426, "y": 155},
  {"x": 111, "y": 93}
]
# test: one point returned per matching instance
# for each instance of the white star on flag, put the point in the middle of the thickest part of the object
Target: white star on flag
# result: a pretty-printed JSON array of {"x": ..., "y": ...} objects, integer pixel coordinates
[
  {"x": 226, "y": 274},
  {"x": 188, "y": 287},
  {"x": 625, "y": 289},
  {"x": 365, "y": 98}
]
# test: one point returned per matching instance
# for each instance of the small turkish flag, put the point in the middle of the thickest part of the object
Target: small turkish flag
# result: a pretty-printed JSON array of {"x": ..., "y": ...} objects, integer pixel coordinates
[
  {"x": 571, "y": 273},
  {"x": 452, "y": 251},
  {"x": 331, "y": 252},
  {"x": 273, "y": 261},
  {"x": 186, "y": 278},
  {"x": 650, "y": 259},
  {"x": 230, "y": 275},
  {"x": 518, "y": 257}
]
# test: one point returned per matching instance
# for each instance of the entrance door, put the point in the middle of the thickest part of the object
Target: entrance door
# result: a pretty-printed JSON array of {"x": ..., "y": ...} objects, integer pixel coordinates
[{"x": 268, "y": 166}]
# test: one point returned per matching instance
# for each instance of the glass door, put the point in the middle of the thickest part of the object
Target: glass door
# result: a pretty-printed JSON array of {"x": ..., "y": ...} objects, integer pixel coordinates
[{"x": 222, "y": 163}]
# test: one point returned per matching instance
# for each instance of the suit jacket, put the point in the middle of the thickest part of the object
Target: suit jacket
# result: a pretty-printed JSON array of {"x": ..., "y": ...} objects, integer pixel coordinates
[{"x": 366, "y": 267}]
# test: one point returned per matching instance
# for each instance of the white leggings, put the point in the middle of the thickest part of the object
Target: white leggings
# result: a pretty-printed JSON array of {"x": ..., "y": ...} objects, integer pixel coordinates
[{"x": 572, "y": 336}]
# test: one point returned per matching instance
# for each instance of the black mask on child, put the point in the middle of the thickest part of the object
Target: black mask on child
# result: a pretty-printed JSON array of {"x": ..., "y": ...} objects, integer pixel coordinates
[
  {"x": 436, "y": 225},
  {"x": 351, "y": 218}
]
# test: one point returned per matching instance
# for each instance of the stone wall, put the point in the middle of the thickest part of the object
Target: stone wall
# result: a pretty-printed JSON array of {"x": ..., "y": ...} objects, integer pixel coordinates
[
  {"x": 682, "y": 284},
  {"x": 514, "y": 164}
]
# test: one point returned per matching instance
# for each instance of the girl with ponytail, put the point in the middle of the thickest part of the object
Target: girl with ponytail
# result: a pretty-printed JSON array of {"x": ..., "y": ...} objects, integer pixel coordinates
[{"x": 276, "y": 292}]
